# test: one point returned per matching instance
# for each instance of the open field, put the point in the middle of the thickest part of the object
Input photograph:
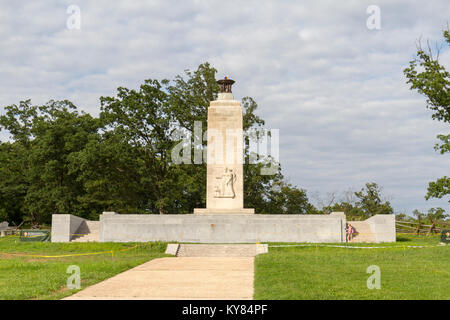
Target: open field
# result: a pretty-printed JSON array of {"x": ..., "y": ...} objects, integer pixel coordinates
[
  {"x": 296, "y": 272},
  {"x": 319, "y": 272},
  {"x": 24, "y": 276}
]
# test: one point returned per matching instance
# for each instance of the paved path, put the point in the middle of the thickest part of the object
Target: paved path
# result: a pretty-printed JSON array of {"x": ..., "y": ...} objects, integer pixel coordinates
[{"x": 215, "y": 278}]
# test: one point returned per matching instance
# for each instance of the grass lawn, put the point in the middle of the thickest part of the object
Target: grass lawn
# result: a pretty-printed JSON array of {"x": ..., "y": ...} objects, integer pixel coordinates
[
  {"x": 316, "y": 272},
  {"x": 302, "y": 272},
  {"x": 27, "y": 277}
]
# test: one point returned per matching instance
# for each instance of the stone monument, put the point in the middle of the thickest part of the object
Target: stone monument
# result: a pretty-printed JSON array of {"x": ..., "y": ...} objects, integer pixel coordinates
[
  {"x": 225, "y": 173},
  {"x": 224, "y": 220}
]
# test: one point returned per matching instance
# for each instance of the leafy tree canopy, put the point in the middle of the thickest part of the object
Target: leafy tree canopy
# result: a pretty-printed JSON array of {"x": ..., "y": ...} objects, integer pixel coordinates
[
  {"x": 430, "y": 78},
  {"x": 368, "y": 202}
]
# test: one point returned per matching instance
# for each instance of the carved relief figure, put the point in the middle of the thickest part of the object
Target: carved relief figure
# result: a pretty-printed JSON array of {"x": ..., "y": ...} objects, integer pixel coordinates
[{"x": 225, "y": 186}]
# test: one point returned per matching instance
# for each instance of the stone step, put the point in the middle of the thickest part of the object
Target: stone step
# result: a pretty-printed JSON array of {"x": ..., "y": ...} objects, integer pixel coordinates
[
  {"x": 220, "y": 250},
  {"x": 86, "y": 238}
]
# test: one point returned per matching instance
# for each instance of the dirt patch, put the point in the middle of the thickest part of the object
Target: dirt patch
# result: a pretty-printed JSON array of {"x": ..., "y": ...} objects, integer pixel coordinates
[
  {"x": 12, "y": 255},
  {"x": 54, "y": 294},
  {"x": 36, "y": 257},
  {"x": 15, "y": 255},
  {"x": 35, "y": 260}
]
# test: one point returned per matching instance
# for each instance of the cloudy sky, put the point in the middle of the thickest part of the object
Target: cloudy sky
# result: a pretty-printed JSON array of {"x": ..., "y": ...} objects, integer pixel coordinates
[{"x": 333, "y": 87}]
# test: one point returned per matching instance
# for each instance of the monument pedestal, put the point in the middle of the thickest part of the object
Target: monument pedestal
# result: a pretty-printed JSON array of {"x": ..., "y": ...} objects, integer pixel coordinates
[
  {"x": 225, "y": 172},
  {"x": 223, "y": 228}
]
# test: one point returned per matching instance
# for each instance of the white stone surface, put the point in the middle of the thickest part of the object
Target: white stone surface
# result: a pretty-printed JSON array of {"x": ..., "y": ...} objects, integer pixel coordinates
[
  {"x": 219, "y": 250},
  {"x": 225, "y": 173},
  {"x": 225, "y": 96},
  {"x": 383, "y": 227},
  {"x": 222, "y": 228},
  {"x": 224, "y": 211},
  {"x": 172, "y": 248},
  {"x": 64, "y": 227}
]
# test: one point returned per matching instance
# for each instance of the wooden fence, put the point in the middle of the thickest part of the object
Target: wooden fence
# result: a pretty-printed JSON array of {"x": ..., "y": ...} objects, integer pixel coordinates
[{"x": 422, "y": 228}]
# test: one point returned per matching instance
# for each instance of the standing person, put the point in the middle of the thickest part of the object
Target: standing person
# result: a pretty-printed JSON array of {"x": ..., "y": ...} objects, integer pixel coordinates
[{"x": 350, "y": 231}]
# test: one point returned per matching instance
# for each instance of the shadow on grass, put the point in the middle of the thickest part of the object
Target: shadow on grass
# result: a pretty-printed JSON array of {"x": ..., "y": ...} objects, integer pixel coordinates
[{"x": 402, "y": 239}]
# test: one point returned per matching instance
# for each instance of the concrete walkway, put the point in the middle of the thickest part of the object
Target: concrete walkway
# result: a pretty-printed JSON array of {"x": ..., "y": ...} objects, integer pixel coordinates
[{"x": 215, "y": 278}]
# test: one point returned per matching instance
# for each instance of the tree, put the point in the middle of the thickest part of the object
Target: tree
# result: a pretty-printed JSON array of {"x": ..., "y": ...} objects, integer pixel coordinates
[
  {"x": 280, "y": 197},
  {"x": 147, "y": 119},
  {"x": 431, "y": 79},
  {"x": 401, "y": 217},
  {"x": 35, "y": 166},
  {"x": 420, "y": 216},
  {"x": 13, "y": 181},
  {"x": 144, "y": 119},
  {"x": 434, "y": 215},
  {"x": 64, "y": 161},
  {"x": 108, "y": 168},
  {"x": 362, "y": 204},
  {"x": 370, "y": 201},
  {"x": 439, "y": 188},
  {"x": 351, "y": 210}
]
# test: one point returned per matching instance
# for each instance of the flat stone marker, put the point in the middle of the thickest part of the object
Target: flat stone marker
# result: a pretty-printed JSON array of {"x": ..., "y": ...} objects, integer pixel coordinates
[
  {"x": 4, "y": 226},
  {"x": 181, "y": 278}
]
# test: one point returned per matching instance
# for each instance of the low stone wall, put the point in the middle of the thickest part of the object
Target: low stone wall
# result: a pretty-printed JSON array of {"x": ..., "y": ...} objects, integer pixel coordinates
[
  {"x": 64, "y": 227},
  {"x": 383, "y": 227},
  {"x": 222, "y": 228}
]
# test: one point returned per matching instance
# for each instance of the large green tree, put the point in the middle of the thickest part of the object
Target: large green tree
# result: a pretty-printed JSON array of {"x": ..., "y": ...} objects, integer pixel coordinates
[
  {"x": 434, "y": 215},
  {"x": 371, "y": 202},
  {"x": 60, "y": 160},
  {"x": 35, "y": 174},
  {"x": 430, "y": 78},
  {"x": 367, "y": 203},
  {"x": 14, "y": 181},
  {"x": 148, "y": 118}
]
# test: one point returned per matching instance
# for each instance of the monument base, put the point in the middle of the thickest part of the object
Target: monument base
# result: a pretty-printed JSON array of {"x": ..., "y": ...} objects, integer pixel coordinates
[
  {"x": 223, "y": 228},
  {"x": 224, "y": 211}
]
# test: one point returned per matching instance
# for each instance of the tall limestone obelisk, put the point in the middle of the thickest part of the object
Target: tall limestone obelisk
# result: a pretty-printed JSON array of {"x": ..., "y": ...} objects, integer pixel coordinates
[{"x": 225, "y": 174}]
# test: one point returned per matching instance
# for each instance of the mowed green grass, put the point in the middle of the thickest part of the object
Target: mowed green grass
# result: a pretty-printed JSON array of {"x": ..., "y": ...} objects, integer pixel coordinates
[
  {"x": 27, "y": 277},
  {"x": 311, "y": 272},
  {"x": 316, "y": 272}
]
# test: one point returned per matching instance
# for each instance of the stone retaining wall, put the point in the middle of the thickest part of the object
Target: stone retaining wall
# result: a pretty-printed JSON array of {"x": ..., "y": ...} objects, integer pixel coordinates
[
  {"x": 222, "y": 228},
  {"x": 64, "y": 227}
]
